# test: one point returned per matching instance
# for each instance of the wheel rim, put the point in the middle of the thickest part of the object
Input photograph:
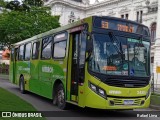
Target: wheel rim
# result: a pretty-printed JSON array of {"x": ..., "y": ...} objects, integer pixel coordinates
[{"x": 60, "y": 97}]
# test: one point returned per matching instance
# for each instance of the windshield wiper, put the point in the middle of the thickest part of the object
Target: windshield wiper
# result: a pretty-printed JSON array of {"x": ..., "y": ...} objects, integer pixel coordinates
[{"x": 118, "y": 45}]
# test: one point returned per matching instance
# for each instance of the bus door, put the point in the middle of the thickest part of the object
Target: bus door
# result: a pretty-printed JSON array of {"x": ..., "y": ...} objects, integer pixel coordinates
[{"x": 78, "y": 67}]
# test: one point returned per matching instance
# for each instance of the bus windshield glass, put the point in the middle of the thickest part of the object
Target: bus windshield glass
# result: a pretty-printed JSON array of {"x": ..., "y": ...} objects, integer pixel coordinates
[{"x": 116, "y": 55}]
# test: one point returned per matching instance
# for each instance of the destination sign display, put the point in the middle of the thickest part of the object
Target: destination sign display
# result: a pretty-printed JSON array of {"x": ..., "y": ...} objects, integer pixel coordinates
[{"x": 125, "y": 26}]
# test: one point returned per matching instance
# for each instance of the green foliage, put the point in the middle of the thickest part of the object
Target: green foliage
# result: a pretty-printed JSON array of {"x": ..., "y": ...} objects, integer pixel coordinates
[
  {"x": 2, "y": 3},
  {"x": 3, "y": 65},
  {"x": 18, "y": 25},
  {"x": 34, "y": 2}
]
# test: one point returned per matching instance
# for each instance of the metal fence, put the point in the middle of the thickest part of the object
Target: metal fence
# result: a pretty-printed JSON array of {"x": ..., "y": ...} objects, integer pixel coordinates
[
  {"x": 4, "y": 69},
  {"x": 155, "y": 87}
]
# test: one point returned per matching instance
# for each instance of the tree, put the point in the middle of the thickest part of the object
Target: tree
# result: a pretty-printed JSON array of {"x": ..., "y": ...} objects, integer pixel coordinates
[
  {"x": 2, "y": 3},
  {"x": 37, "y": 3},
  {"x": 17, "y": 25}
]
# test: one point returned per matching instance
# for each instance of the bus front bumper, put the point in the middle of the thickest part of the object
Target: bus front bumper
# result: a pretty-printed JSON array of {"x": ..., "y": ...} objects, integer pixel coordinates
[{"x": 93, "y": 100}]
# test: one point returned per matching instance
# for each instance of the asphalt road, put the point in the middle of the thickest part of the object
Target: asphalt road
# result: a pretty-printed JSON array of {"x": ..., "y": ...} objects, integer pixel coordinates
[{"x": 75, "y": 113}]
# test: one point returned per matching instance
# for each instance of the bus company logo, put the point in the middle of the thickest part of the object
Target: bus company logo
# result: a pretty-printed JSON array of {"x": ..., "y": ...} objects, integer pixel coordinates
[
  {"x": 6, "y": 114},
  {"x": 115, "y": 92},
  {"x": 47, "y": 69}
]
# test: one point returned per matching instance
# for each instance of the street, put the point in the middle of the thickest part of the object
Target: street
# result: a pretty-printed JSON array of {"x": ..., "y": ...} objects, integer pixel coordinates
[{"x": 43, "y": 104}]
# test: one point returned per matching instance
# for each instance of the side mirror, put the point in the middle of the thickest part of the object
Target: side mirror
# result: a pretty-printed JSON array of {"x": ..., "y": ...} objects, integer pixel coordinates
[{"x": 89, "y": 46}]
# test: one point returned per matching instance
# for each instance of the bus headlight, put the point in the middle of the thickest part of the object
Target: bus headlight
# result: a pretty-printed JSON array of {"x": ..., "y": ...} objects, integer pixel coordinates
[
  {"x": 98, "y": 90},
  {"x": 148, "y": 93},
  {"x": 93, "y": 87}
]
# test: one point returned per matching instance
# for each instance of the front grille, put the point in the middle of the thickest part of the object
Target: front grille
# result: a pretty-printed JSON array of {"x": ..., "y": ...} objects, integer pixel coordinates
[
  {"x": 127, "y": 83},
  {"x": 121, "y": 102}
]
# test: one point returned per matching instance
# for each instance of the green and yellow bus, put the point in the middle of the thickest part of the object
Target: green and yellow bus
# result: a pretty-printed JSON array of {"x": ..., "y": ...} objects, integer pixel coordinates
[{"x": 98, "y": 62}]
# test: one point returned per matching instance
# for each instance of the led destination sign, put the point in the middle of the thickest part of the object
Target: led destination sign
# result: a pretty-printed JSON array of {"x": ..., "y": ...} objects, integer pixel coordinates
[{"x": 125, "y": 26}]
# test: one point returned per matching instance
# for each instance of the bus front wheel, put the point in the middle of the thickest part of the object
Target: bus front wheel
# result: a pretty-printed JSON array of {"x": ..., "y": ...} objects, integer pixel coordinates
[
  {"x": 21, "y": 85},
  {"x": 60, "y": 97}
]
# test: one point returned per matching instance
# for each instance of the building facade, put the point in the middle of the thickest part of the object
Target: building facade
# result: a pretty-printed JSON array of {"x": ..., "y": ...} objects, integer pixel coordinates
[{"x": 143, "y": 11}]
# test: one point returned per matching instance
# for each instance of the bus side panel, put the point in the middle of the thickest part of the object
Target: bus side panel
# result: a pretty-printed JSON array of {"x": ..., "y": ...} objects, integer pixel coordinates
[
  {"x": 49, "y": 72},
  {"x": 11, "y": 70},
  {"x": 45, "y": 69},
  {"x": 23, "y": 68},
  {"x": 34, "y": 84}
]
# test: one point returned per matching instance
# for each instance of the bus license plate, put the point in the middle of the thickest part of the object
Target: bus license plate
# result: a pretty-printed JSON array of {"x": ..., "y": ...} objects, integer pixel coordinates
[{"x": 128, "y": 102}]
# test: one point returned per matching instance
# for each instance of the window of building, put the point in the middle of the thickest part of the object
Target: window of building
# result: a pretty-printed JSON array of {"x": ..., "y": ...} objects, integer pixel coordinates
[
  {"x": 21, "y": 52},
  {"x": 139, "y": 16},
  {"x": 153, "y": 32},
  {"x": 46, "y": 48},
  {"x": 152, "y": 59},
  {"x": 127, "y": 16},
  {"x": 27, "y": 54},
  {"x": 122, "y": 16},
  {"x": 35, "y": 52}
]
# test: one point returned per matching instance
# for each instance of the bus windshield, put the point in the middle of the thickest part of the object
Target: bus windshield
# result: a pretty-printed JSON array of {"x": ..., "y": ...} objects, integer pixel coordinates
[{"x": 116, "y": 55}]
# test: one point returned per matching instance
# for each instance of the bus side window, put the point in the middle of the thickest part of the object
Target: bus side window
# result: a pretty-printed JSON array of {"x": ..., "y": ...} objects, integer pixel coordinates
[
  {"x": 59, "y": 45},
  {"x": 21, "y": 52},
  {"x": 60, "y": 49},
  {"x": 46, "y": 48},
  {"x": 27, "y": 51},
  {"x": 12, "y": 54},
  {"x": 35, "y": 51},
  {"x": 16, "y": 54}
]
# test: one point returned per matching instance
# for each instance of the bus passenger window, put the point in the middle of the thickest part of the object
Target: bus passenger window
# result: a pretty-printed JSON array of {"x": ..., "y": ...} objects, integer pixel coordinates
[
  {"x": 27, "y": 51},
  {"x": 35, "y": 52},
  {"x": 21, "y": 52},
  {"x": 46, "y": 48},
  {"x": 12, "y": 54},
  {"x": 60, "y": 49}
]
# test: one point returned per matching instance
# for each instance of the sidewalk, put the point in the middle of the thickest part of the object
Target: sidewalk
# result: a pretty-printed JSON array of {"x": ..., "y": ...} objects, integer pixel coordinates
[
  {"x": 155, "y": 100},
  {"x": 3, "y": 76}
]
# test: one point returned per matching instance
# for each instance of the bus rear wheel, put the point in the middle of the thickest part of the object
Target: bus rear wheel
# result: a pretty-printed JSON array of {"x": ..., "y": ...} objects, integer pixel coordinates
[
  {"x": 22, "y": 86},
  {"x": 60, "y": 97}
]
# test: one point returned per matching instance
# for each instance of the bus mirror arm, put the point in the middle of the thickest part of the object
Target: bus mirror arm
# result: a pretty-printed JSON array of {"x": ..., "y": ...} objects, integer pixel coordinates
[{"x": 89, "y": 48}]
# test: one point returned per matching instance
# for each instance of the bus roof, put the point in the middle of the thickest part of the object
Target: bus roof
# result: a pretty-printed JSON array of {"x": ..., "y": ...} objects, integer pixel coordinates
[
  {"x": 74, "y": 24},
  {"x": 52, "y": 31}
]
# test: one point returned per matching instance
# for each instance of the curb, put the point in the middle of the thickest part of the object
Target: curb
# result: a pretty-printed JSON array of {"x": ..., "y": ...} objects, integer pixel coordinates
[
  {"x": 155, "y": 107},
  {"x": 3, "y": 78}
]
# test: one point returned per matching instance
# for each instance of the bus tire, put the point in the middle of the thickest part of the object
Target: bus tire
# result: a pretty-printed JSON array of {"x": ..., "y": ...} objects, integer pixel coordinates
[
  {"x": 60, "y": 97},
  {"x": 21, "y": 85}
]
